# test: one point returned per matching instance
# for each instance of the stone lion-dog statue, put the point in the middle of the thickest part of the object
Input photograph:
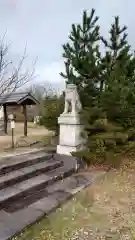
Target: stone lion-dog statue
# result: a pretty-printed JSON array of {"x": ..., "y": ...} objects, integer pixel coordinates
[{"x": 72, "y": 100}]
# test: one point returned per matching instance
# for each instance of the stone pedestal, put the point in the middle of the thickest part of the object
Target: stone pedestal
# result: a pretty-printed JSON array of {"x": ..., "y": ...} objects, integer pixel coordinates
[{"x": 70, "y": 134}]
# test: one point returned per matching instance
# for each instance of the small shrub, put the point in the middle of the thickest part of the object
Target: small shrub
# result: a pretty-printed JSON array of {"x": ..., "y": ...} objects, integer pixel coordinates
[
  {"x": 105, "y": 141},
  {"x": 52, "y": 108}
]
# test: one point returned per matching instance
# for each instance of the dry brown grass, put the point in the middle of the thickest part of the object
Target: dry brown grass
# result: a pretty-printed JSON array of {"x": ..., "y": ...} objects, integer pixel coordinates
[{"x": 35, "y": 133}]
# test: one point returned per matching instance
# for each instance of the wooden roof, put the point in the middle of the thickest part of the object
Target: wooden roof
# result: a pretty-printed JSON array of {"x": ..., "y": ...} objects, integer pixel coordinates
[{"x": 18, "y": 98}]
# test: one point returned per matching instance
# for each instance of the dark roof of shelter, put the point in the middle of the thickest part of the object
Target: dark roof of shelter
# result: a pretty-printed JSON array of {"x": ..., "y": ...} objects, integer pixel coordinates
[{"x": 18, "y": 98}]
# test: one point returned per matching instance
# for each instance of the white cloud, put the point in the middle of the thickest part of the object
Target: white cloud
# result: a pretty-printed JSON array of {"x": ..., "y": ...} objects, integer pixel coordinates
[
  {"x": 44, "y": 26},
  {"x": 50, "y": 72}
]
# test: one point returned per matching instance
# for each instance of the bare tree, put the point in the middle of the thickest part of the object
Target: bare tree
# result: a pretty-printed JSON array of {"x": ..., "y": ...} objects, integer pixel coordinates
[
  {"x": 41, "y": 91},
  {"x": 13, "y": 77},
  {"x": 38, "y": 91}
]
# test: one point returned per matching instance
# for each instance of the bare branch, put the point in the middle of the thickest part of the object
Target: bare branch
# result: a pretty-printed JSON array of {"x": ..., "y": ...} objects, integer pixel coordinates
[
  {"x": 11, "y": 77},
  {"x": 41, "y": 91}
]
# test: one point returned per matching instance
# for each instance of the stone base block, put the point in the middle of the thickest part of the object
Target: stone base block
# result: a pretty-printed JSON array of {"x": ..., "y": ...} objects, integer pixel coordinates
[
  {"x": 70, "y": 139},
  {"x": 66, "y": 150}
]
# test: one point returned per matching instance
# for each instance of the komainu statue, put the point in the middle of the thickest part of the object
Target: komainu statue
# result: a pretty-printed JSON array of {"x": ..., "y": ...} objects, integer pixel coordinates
[{"x": 72, "y": 100}]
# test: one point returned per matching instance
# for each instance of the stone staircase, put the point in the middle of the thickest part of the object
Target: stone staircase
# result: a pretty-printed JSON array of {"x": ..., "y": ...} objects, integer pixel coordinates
[
  {"x": 34, "y": 184},
  {"x": 28, "y": 188}
]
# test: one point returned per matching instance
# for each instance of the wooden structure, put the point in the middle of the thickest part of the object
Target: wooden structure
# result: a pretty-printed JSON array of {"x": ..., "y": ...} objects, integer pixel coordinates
[{"x": 17, "y": 98}]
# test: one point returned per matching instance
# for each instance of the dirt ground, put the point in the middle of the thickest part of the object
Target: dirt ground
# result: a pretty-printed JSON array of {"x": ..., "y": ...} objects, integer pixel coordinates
[{"x": 35, "y": 133}]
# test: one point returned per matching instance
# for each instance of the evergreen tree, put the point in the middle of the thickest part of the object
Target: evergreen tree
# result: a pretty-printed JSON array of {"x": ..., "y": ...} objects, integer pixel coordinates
[
  {"x": 52, "y": 108},
  {"x": 119, "y": 75},
  {"x": 106, "y": 85},
  {"x": 81, "y": 55},
  {"x": 116, "y": 50}
]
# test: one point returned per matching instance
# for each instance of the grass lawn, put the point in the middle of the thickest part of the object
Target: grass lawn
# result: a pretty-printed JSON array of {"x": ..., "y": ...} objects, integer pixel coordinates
[{"x": 105, "y": 210}]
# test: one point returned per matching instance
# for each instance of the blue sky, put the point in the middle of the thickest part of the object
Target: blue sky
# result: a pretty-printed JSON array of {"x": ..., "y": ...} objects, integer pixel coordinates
[{"x": 44, "y": 25}]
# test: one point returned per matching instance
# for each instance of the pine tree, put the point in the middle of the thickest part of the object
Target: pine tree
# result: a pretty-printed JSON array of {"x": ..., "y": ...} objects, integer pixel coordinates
[
  {"x": 106, "y": 84},
  {"x": 119, "y": 75},
  {"x": 116, "y": 48},
  {"x": 81, "y": 55}
]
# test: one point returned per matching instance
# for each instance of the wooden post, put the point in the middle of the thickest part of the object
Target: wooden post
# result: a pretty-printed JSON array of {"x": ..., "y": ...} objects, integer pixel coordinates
[
  {"x": 5, "y": 118},
  {"x": 25, "y": 119}
]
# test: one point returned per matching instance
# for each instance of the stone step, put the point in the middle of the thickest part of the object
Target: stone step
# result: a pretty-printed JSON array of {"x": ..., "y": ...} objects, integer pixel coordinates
[
  {"x": 22, "y": 174},
  {"x": 10, "y": 221},
  {"x": 65, "y": 187},
  {"x": 28, "y": 187},
  {"x": 10, "y": 164}
]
